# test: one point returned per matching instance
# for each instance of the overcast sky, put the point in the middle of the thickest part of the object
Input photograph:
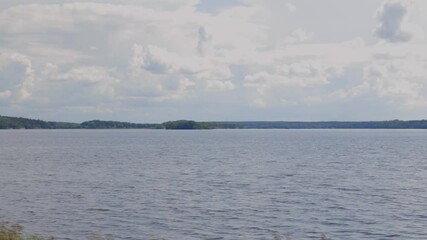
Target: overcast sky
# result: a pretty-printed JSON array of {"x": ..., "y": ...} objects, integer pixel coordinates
[{"x": 159, "y": 60}]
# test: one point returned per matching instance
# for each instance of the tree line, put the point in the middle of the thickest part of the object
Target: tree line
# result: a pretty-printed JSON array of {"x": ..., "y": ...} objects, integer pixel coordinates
[{"x": 26, "y": 123}]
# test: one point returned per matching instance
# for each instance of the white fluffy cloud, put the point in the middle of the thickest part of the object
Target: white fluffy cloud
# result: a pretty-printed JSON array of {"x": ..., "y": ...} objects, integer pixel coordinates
[
  {"x": 279, "y": 86},
  {"x": 291, "y": 7},
  {"x": 160, "y": 61},
  {"x": 19, "y": 80},
  {"x": 115, "y": 60},
  {"x": 400, "y": 81},
  {"x": 298, "y": 36}
]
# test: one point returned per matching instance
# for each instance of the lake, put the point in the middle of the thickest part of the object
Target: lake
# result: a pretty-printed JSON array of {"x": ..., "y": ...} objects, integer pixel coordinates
[{"x": 216, "y": 184}]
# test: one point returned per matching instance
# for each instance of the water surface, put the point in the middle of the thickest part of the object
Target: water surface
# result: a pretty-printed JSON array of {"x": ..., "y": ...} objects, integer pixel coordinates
[{"x": 220, "y": 184}]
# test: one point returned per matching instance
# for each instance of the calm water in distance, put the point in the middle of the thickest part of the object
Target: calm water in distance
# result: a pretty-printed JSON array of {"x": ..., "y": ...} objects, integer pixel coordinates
[{"x": 219, "y": 184}]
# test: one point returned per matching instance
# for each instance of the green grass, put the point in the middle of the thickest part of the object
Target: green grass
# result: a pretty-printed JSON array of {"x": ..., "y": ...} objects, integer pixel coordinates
[{"x": 15, "y": 232}]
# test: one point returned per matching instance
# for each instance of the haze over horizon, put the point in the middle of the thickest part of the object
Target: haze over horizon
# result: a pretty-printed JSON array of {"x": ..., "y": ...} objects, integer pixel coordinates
[{"x": 213, "y": 60}]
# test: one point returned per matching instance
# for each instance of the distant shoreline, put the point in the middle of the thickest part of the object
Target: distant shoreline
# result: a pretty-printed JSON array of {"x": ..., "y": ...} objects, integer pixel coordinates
[{"x": 27, "y": 123}]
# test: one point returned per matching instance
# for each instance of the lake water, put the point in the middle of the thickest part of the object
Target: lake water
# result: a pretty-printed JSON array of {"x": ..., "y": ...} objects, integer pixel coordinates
[{"x": 219, "y": 184}]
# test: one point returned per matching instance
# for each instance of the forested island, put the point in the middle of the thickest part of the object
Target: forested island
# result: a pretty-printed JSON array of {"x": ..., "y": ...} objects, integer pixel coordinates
[{"x": 26, "y": 123}]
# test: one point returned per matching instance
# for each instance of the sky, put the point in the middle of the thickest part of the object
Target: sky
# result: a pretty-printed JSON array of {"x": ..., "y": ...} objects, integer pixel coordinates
[{"x": 231, "y": 60}]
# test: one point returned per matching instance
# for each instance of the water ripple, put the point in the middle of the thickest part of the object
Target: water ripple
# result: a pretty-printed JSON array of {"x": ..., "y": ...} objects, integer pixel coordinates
[{"x": 134, "y": 184}]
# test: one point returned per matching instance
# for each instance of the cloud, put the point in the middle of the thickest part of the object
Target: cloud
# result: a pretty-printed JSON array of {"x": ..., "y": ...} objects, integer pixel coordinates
[
  {"x": 200, "y": 70},
  {"x": 399, "y": 81},
  {"x": 155, "y": 56},
  {"x": 20, "y": 79},
  {"x": 272, "y": 88},
  {"x": 204, "y": 41},
  {"x": 391, "y": 17},
  {"x": 220, "y": 85},
  {"x": 5, "y": 94},
  {"x": 300, "y": 74},
  {"x": 159, "y": 60},
  {"x": 97, "y": 78},
  {"x": 153, "y": 59},
  {"x": 298, "y": 36},
  {"x": 291, "y": 7},
  {"x": 394, "y": 76},
  {"x": 89, "y": 109}
]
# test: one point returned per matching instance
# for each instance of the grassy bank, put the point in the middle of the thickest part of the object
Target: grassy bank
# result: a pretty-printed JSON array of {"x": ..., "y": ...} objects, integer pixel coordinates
[{"x": 15, "y": 232}]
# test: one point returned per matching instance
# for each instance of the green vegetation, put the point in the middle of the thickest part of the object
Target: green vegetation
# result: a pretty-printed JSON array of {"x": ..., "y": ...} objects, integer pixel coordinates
[
  {"x": 21, "y": 123},
  {"x": 97, "y": 124},
  {"x": 25, "y": 123},
  {"x": 395, "y": 124},
  {"x": 14, "y": 232},
  {"x": 186, "y": 124}
]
